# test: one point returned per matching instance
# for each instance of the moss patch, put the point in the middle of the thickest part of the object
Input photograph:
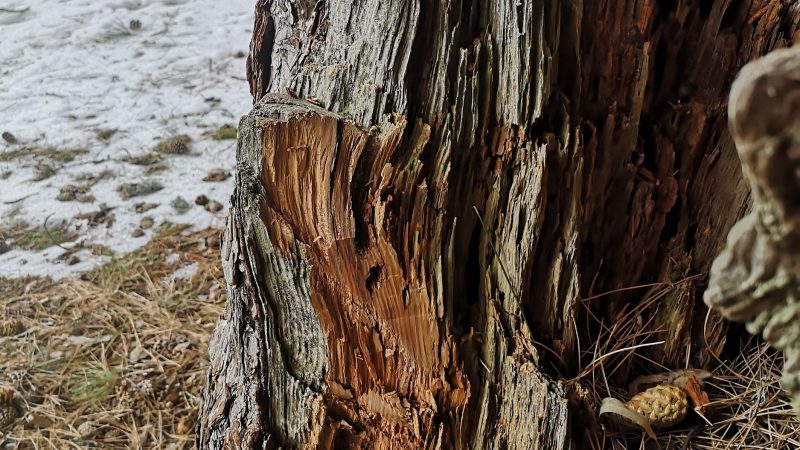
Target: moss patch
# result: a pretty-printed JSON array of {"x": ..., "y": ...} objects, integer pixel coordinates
[
  {"x": 180, "y": 205},
  {"x": 224, "y": 132},
  {"x": 91, "y": 384},
  {"x": 52, "y": 153},
  {"x": 147, "y": 159},
  {"x": 130, "y": 190},
  {"x": 174, "y": 145},
  {"x": 22, "y": 235}
]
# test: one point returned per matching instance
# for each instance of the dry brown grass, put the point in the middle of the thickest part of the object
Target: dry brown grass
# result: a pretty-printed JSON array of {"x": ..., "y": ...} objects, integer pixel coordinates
[
  {"x": 748, "y": 409},
  {"x": 117, "y": 358}
]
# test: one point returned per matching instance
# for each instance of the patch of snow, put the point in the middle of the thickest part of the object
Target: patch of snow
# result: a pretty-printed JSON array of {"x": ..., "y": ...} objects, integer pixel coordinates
[
  {"x": 172, "y": 258},
  {"x": 186, "y": 272},
  {"x": 148, "y": 69}
]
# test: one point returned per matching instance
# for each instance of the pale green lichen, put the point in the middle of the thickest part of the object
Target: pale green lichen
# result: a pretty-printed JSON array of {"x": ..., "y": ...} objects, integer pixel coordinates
[
  {"x": 52, "y": 153},
  {"x": 180, "y": 205},
  {"x": 224, "y": 132},
  {"x": 130, "y": 190},
  {"x": 21, "y": 234}
]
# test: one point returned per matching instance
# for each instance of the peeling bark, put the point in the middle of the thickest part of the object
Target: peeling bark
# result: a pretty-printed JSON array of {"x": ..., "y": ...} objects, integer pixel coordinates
[{"x": 473, "y": 169}]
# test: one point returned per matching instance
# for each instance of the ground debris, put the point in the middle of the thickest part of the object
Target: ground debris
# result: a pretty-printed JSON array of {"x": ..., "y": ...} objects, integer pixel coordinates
[
  {"x": 146, "y": 223},
  {"x": 144, "y": 207},
  {"x": 214, "y": 206},
  {"x": 119, "y": 350},
  {"x": 224, "y": 132},
  {"x": 51, "y": 153},
  {"x": 174, "y": 145},
  {"x": 22, "y": 235},
  {"x": 130, "y": 190},
  {"x": 105, "y": 134},
  {"x": 180, "y": 205},
  {"x": 201, "y": 200},
  {"x": 99, "y": 217},
  {"x": 8, "y": 137},
  {"x": 147, "y": 159},
  {"x": 43, "y": 172},
  {"x": 72, "y": 192},
  {"x": 216, "y": 175},
  {"x": 90, "y": 179}
]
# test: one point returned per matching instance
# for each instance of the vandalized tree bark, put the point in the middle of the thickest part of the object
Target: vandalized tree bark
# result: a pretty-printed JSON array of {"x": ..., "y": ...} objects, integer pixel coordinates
[{"x": 368, "y": 306}]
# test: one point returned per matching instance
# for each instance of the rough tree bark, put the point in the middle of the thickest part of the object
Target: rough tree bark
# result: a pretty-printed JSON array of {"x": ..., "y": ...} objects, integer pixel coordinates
[{"x": 368, "y": 305}]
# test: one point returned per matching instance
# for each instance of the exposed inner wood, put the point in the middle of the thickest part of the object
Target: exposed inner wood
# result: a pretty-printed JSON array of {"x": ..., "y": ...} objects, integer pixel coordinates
[{"x": 332, "y": 227}]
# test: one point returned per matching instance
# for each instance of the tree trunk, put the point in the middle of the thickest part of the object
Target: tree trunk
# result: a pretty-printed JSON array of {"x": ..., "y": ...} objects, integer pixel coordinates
[{"x": 427, "y": 192}]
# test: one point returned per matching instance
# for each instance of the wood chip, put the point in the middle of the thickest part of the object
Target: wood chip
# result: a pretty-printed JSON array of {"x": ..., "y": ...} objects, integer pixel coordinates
[{"x": 695, "y": 392}]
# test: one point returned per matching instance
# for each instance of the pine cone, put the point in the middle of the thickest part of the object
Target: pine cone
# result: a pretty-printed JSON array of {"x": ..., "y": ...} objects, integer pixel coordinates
[
  {"x": 11, "y": 407},
  {"x": 664, "y": 405}
]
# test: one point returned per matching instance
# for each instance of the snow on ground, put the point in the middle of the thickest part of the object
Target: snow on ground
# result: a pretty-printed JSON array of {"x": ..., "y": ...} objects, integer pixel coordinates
[{"x": 113, "y": 77}]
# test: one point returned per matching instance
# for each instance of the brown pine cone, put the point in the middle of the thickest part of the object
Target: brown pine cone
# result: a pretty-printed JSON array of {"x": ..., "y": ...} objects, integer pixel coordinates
[
  {"x": 11, "y": 407},
  {"x": 664, "y": 405}
]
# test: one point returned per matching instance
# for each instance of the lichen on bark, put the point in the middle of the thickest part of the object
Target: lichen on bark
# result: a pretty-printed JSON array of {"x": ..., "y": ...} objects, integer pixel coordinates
[{"x": 756, "y": 279}]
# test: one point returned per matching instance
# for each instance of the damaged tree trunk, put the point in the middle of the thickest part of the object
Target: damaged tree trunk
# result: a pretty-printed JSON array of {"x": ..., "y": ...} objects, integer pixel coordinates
[{"x": 426, "y": 191}]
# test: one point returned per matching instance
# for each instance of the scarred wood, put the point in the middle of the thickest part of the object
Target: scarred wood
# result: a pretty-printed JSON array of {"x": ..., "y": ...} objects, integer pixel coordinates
[{"x": 358, "y": 346}]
